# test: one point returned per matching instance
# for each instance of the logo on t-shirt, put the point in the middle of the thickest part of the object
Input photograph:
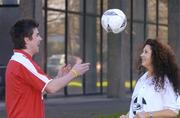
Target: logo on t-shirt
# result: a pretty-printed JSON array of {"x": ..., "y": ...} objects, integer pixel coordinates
[{"x": 138, "y": 104}]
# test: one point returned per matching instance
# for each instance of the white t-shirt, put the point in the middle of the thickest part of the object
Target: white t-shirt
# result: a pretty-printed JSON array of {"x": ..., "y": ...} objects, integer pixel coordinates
[{"x": 146, "y": 98}]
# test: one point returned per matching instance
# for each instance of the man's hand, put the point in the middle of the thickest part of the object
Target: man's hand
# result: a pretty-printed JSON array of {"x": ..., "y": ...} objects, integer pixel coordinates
[
  {"x": 64, "y": 70},
  {"x": 80, "y": 68}
]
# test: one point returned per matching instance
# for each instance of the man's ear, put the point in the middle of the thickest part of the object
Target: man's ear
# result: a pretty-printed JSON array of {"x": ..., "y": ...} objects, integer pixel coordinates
[{"x": 26, "y": 39}]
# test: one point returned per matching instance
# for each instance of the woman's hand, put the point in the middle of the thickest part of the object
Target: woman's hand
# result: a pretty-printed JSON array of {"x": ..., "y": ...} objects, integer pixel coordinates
[
  {"x": 141, "y": 115},
  {"x": 124, "y": 116}
]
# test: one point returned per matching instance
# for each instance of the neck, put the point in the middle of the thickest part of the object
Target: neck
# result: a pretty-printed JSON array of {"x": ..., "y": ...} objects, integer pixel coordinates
[
  {"x": 150, "y": 72},
  {"x": 29, "y": 52}
]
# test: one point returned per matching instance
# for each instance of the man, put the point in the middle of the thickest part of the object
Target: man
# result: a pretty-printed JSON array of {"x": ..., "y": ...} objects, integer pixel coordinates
[{"x": 25, "y": 80}]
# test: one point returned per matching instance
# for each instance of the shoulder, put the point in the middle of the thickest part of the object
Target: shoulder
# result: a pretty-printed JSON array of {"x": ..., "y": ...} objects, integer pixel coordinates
[
  {"x": 168, "y": 86},
  {"x": 140, "y": 82},
  {"x": 142, "y": 78},
  {"x": 13, "y": 66}
]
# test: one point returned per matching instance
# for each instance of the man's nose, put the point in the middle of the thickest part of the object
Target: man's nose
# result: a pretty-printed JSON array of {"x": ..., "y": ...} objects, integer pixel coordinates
[{"x": 141, "y": 55}]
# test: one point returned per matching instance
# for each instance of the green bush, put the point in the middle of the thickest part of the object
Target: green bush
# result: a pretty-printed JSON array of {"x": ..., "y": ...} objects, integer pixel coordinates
[{"x": 114, "y": 115}]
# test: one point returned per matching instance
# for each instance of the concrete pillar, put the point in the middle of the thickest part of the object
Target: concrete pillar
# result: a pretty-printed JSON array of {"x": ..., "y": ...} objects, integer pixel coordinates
[
  {"x": 174, "y": 26},
  {"x": 90, "y": 46},
  {"x": 114, "y": 59},
  {"x": 119, "y": 49}
]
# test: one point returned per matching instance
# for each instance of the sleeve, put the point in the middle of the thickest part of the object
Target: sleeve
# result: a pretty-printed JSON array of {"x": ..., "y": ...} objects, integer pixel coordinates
[
  {"x": 34, "y": 78},
  {"x": 169, "y": 97},
  {"x": 178, "y": 102},
  {"x": 135, "y": 92},
  {"x": 137, "y": 86}
]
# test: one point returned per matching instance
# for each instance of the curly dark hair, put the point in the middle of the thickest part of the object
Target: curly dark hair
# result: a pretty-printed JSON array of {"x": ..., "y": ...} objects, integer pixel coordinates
[
  {"x": 164, "y": 64},
  {"x": 23, "y": 28}
]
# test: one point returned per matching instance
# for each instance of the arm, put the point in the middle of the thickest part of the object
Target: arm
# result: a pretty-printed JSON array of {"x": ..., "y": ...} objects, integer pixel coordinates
[
  {"x": 59, "y": 82},
  {"x": 166, "y": 113}
]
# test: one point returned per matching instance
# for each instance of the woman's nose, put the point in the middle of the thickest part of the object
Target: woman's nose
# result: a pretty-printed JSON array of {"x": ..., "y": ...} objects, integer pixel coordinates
[{"x": 141, "y": 54}]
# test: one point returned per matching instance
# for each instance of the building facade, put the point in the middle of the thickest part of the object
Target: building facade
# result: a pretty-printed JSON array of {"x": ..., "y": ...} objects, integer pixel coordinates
[{"x": 71, "y": 29}]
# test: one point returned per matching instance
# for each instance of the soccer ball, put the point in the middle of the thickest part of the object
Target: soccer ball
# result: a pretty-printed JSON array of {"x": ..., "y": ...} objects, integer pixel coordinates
[{"x": 114, "y": 20}]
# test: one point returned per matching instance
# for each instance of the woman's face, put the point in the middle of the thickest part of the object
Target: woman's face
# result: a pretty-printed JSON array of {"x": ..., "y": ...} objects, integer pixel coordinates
[{"x": 146, "y": 57}]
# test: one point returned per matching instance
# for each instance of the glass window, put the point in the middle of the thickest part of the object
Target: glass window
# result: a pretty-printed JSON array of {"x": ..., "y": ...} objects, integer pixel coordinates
[
  {"x": 55, "y": 42},
  {"x": 151, "y": 11},
  {"x": 74, "y": 53},
  {"x": 56, "y": 4},
  {"x": 163, "y": 33},
  {"x": 151, "y": 31},
  {"x": 163, "y": 12},
  {"x": 74, "y": 5}
]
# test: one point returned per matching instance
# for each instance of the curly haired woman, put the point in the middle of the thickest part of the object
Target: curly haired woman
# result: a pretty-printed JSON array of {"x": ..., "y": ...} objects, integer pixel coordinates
[{"x": 156, "y": 92}]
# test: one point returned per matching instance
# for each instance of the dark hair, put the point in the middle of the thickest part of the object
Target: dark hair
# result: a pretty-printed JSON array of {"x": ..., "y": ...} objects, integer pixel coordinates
[
  {"x": 164, "y": 64},
  {"x": 21, "y": 29}
]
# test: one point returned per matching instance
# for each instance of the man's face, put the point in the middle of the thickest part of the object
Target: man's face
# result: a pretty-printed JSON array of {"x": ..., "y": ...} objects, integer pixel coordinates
[{"x": 32, "y": 45}]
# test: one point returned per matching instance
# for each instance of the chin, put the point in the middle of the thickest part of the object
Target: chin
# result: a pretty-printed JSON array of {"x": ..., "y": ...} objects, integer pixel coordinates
[
  {"x": 36, "y": 51},
  {"x": 143, "y": 65}
]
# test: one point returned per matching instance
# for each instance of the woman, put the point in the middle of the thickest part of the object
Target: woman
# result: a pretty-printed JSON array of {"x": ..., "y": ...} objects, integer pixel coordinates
[{"x": 157, "y": 90}]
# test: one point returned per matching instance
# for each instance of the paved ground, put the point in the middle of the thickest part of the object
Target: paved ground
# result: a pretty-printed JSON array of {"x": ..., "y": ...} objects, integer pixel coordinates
[{"x": 80, "y": 107}]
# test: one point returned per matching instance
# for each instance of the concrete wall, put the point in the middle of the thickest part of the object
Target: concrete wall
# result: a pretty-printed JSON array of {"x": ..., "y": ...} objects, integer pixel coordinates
[
  {"x": 9, "y": 15},
  {"x": 8, "y": 18}
]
